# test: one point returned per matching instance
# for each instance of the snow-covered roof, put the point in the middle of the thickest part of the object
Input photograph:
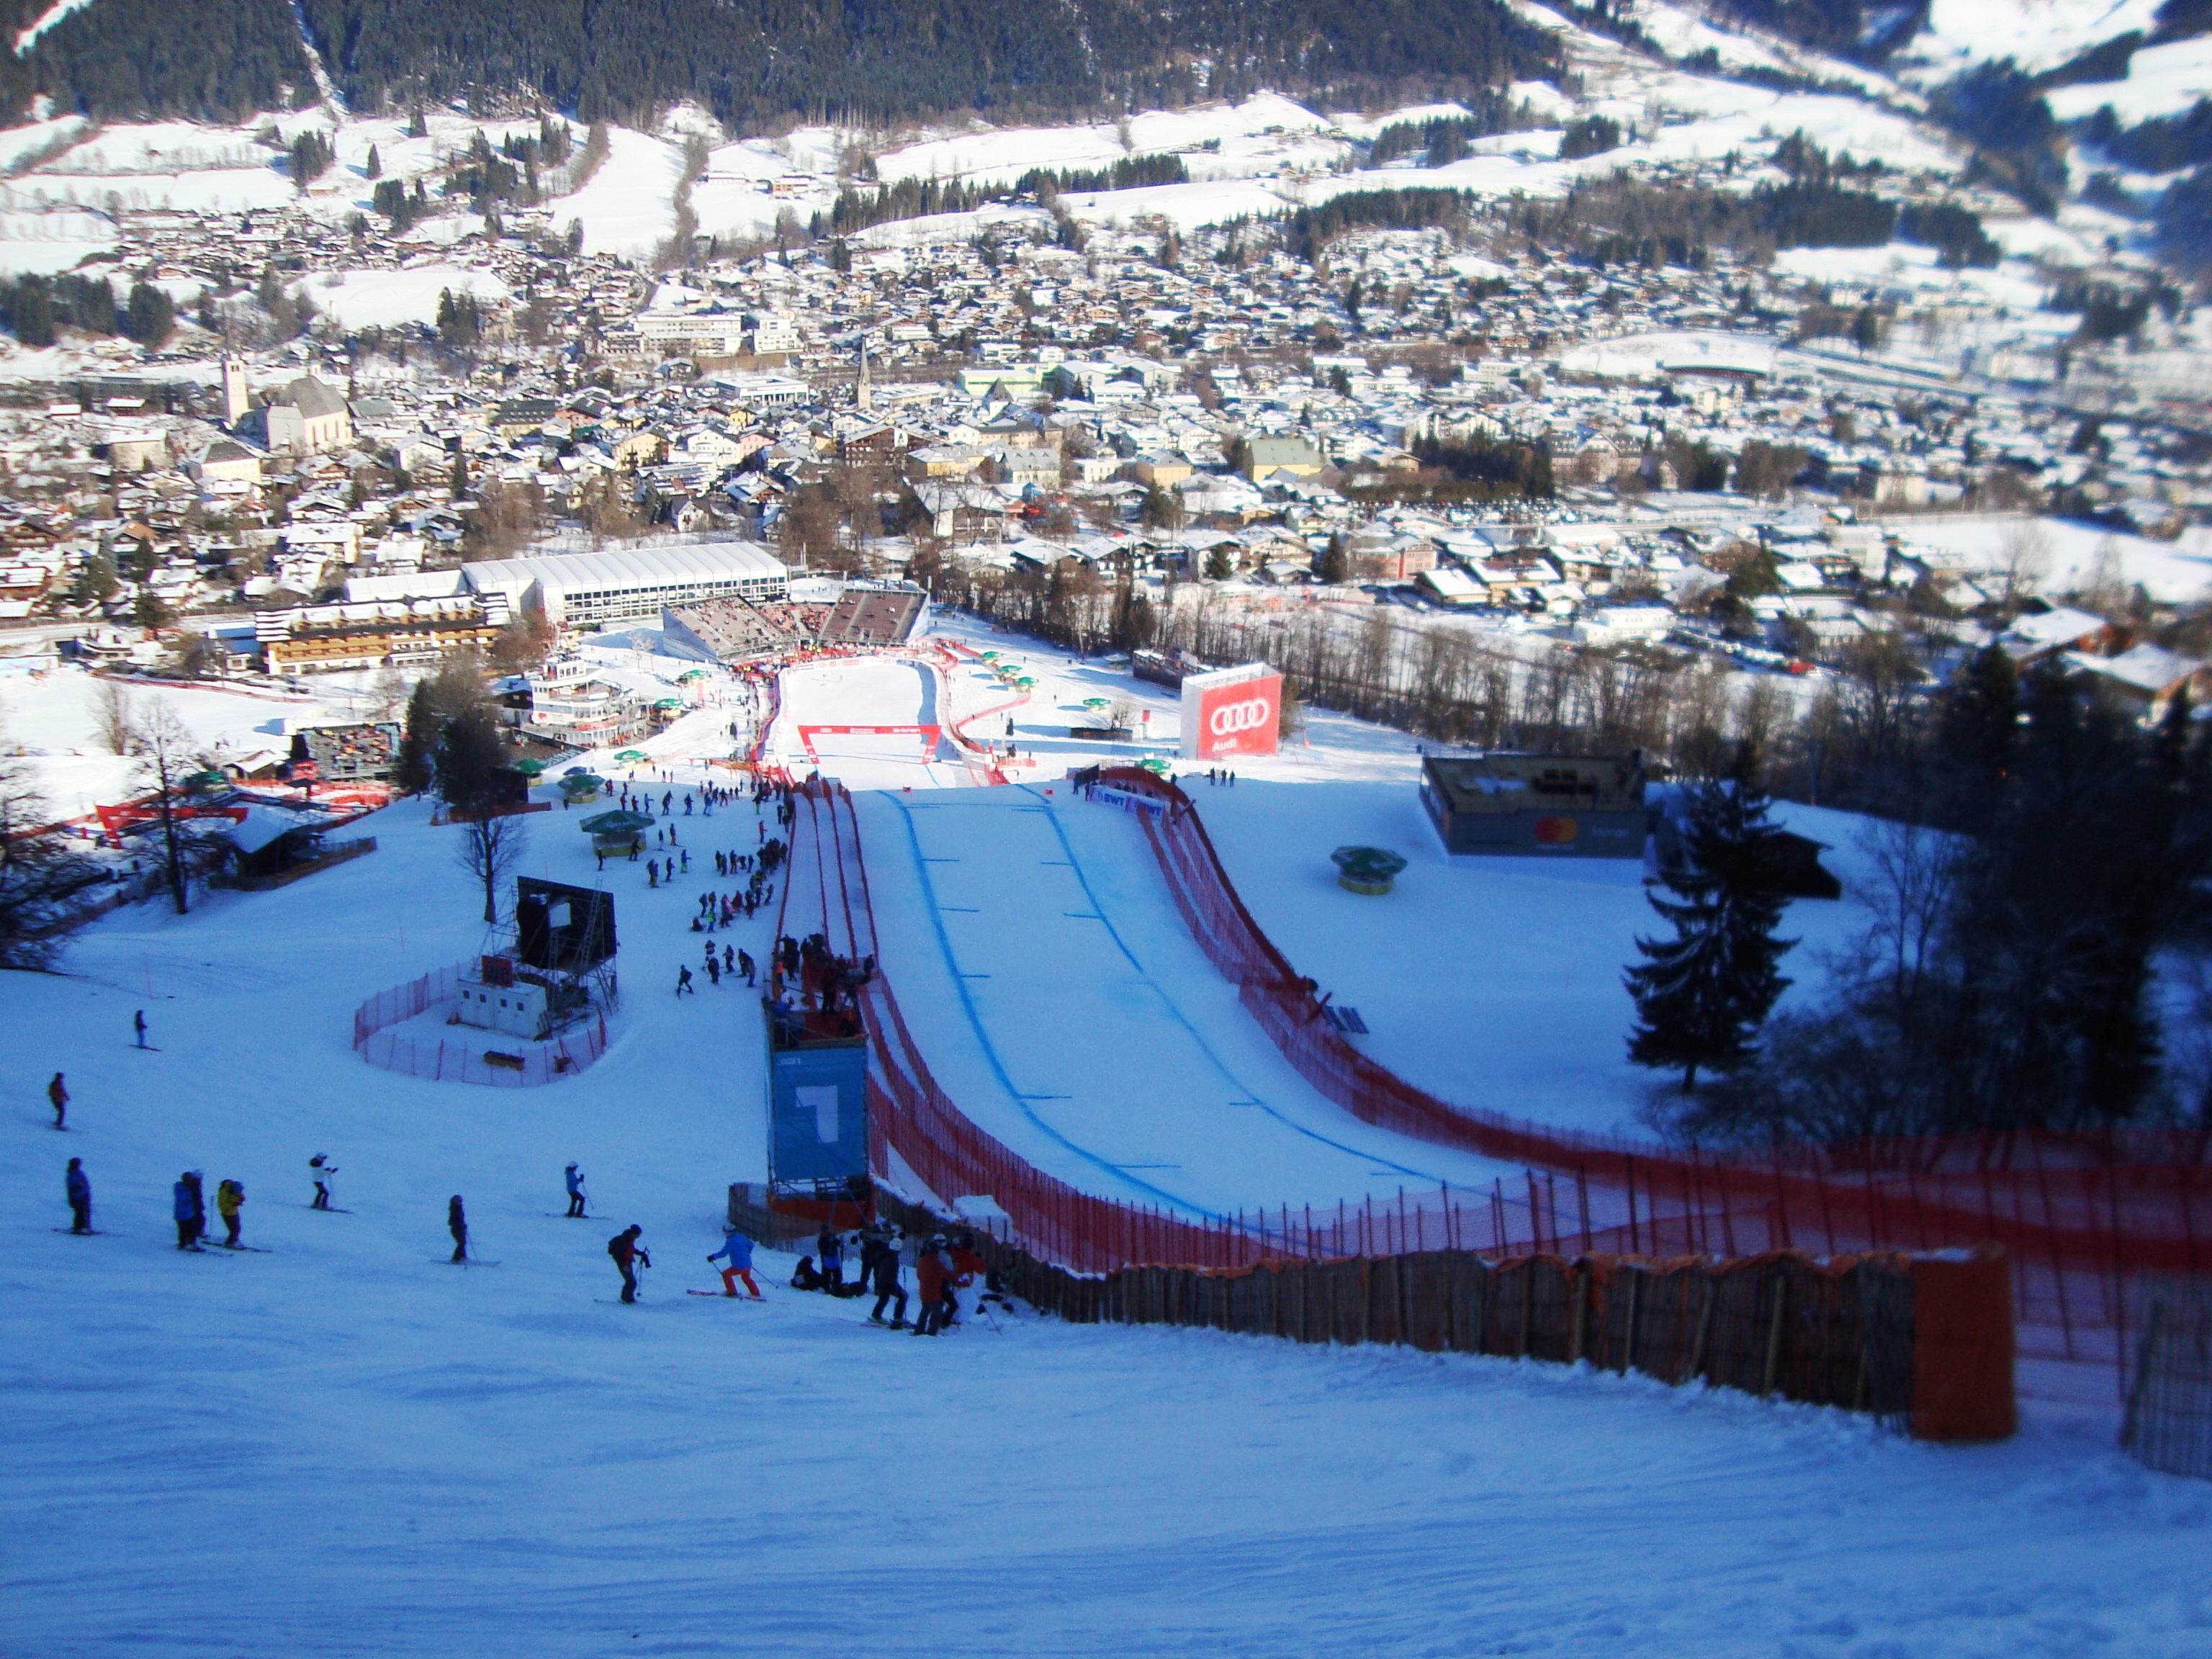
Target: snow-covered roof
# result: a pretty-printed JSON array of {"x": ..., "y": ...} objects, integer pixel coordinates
[
  {"x": 652, "y": 566},
  {"x": 257, "y": 829},
  {"x": 2145, "y": 668},
  {"x": 2053, "y": 628}
]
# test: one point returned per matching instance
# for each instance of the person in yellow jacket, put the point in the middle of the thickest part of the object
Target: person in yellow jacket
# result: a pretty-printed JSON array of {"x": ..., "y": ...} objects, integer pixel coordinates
[{"x": 228, "y": 1195}]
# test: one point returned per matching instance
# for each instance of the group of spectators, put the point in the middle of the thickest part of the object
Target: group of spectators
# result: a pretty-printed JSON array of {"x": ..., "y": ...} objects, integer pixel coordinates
[{"x": 944, "y": 1265}]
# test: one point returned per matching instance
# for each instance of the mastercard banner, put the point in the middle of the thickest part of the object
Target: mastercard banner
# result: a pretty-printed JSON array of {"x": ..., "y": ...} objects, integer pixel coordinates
[{"x": 1231, "y": 712}]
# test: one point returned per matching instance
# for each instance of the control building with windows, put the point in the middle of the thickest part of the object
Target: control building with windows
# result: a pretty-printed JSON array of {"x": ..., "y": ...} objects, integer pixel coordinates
[
  {"x": 1537, "y": 806},
  {"x": 583, "y": 590}
]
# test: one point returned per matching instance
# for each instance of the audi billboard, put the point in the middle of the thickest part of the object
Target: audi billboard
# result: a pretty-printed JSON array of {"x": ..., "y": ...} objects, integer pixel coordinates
[{"x": 1231, "y": 712}]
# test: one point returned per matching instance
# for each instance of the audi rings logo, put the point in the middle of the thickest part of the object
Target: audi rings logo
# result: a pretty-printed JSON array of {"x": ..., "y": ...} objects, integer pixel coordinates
[{"x": 1234, "y": 717}]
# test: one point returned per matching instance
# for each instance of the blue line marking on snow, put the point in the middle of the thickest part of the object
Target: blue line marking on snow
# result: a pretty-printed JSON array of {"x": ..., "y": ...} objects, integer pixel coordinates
[
  {"x": 991, "y": 1050},
  {"x": 1204, "y": 1047}
]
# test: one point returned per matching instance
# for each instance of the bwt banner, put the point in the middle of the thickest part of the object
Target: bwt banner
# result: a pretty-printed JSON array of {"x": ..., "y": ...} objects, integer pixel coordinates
[{"x": 1231, "y": 711}]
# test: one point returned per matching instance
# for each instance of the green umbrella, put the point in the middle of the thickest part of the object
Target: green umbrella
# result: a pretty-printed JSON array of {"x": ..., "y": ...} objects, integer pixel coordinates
[
  {"x": 530, "y": 768},
  {"x": 664, "y": 702},
  {"x": 617, "y": 822},
  {"x": 1155, "y": 765},
  {"x": 1366, "y": 869},
  {"x": 581, "y": 786},
  {"x": 631, "y": 755}
]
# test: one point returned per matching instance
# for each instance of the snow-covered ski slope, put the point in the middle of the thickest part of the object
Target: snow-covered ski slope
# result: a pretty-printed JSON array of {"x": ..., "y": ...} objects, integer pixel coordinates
[
  {"x": 862, "y": 691},
  {"x": 1063, "y": 1005}
]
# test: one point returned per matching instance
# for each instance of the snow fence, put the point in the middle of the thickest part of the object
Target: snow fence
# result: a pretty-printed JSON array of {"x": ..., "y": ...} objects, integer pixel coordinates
[
  {"x": 1922, "y": 1342},
  {"x": 481, "y": 1057},
  {"x": 2168, "y": 1421}
]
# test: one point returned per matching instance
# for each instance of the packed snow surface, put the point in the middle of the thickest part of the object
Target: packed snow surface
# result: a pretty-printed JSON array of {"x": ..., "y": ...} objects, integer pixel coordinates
[
  {"x": 627, "y": 208},
  {"x": 1493, "y": 983},
  {"x": 863, "y": 691},
  {"x": 1062, "y": 1002}
]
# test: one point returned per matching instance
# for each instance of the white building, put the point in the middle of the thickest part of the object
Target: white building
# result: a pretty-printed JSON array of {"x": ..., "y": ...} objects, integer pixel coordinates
[
  {"x": 577, "y": 590},
  {"x": 515, "y": 1009}
]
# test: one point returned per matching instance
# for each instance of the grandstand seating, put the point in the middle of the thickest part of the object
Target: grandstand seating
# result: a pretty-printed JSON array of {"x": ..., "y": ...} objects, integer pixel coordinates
[
  {"x": 735, "y": 627},
  {"x": 872, "y": 616}
]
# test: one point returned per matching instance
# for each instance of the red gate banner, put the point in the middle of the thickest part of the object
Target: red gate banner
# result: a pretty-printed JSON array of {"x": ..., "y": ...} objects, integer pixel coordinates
[{"x": 929, "y": 735}]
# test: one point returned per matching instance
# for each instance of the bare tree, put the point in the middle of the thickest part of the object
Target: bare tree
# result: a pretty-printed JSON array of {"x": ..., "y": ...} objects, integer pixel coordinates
[
  {"x": 387, "y": 693},
  {"x": 491, "y": 846},
  {"x": 167, "y": 748},
  {"x": 111, "y": 716},
  {"x": 2105, "y": 592},
  {"x": 2024, "y": 559},
  {"x": 40, "y": 875},
  {"x": 1915, "y": 875}
]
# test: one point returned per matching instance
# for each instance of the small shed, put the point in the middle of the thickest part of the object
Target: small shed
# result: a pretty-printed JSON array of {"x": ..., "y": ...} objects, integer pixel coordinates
[{"x": 266, "y": 843}]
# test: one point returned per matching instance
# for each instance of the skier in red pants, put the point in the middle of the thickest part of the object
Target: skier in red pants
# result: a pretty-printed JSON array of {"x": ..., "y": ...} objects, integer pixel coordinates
[{"x": 737, "y": 1250}]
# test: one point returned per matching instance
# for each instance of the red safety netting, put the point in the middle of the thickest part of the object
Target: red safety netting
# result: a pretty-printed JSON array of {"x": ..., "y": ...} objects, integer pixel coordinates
[
  {"x": 2081, "y": 1214},
  {"x": 481, "y": 1057}
]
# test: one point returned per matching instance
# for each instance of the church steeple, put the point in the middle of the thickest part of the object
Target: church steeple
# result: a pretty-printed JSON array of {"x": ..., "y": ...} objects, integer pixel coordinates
[{"x": 236, "y": 399}]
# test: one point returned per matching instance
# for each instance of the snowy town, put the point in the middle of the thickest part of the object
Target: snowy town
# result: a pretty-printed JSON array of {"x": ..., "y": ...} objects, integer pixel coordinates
[{"x": 1433, "y": 802}]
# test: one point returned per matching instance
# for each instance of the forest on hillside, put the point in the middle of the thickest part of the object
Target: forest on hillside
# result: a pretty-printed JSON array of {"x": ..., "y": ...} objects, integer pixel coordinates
[
  {"x": 127, "y": 59},
  {"x": 754, "y": 62}
]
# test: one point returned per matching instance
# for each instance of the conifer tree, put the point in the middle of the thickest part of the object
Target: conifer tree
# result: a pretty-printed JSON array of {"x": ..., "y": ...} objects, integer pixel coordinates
[
  {"x": 1335, "y": 564},
  {"x": 418, "y": 741},
  {"x": 1702, "y": 995},
  {"x": 1979, "y": 725}
]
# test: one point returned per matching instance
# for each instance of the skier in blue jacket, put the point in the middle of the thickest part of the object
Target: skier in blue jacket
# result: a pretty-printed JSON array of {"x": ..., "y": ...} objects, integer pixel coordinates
[
  {"x": 737, "y": 1250},
  {"x": 575, "y": 1192},
  {"x": 78, "y": 1185},
  {"x": 186, "y": 1209}
]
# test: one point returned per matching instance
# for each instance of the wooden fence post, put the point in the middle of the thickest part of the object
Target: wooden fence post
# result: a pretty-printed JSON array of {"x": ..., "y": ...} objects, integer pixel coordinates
[
  {"x": 1695, "y": 1365},
  {"x": 1774, "y": 1331},
  {"x": 1580, "y": 1272},
  {"x": 1628, "y": 1338}
]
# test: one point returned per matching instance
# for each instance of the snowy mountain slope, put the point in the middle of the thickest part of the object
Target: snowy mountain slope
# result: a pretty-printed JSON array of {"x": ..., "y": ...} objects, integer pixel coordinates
[
  {"x": 2036, "y": 34},
  {"x": 2162, "y": 79}
]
